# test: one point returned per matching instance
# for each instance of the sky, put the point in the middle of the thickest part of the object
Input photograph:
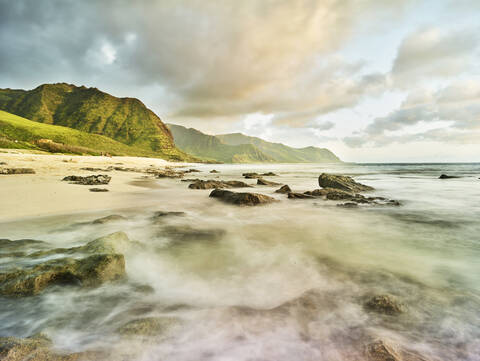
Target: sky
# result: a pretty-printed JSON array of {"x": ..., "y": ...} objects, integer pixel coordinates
[{"x": 373, "y": 81}]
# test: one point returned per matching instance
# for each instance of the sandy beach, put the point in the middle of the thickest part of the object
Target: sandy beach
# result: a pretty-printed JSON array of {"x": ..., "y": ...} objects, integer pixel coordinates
[{"x": 44, "y": 193}]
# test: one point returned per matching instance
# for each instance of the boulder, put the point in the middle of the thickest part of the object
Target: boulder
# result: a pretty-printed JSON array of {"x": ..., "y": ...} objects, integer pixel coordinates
[
  {"x": 98, "y": 190},
  {"x": 340, "y": 182},
  {"x": 445, "y": 176},
  {"x": 117, "y": 242},
  {"x": 148, "y": 326},
  {"x": 7, "y": 171},
  {"x": 90, "y": 271},
  {"x": 108, "y": 219},
  {"x": 90, "y": 180},
  {"x": 293, "y": 195},
  {"x": 241, "y": 199},
  {"x": 384, "y": 304},
  {"x": 283, "y": 189},
  {"x": 264, "y": 182}
]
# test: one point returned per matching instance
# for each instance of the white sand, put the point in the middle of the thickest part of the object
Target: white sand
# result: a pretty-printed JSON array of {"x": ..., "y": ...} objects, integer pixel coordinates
[{"x": 43, "y": 193}]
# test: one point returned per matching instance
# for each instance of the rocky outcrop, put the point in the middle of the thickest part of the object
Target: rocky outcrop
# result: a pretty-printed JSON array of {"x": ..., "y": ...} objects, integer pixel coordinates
[
  {"x": 211, "y": 184},
  {"x": 344, "y": 183},
  {"x": 294, "y": 195},
  {"x": 168, "y": 173},
  {"x": 90, "y": 180},
  {"x": 241, "y": 199},
  {"x": 445, "y": 176},
  {"x": 384, "y": 304},
  {"x": 148, "y": 326},
  {"x": 283, "y": 190},
  {"x": 90, "y": 271},
  {"x": 264, "y": 182},
  {"x": 7, "y": 171},
  {"x": 110, "y": 218}
]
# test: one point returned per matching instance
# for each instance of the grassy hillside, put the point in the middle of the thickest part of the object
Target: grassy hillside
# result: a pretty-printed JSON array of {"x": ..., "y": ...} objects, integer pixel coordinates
[
  {"x": 209, "y": 147},
  {"x": 126, "y": 120},
  {"x": 280, "y": 152},
  {"x": 18, "y": 132}
]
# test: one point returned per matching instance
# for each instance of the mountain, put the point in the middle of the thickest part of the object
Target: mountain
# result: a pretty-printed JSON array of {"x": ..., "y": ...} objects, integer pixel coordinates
[
  {"x": 239, "y": 148},
  {"x": 20, "y": 133},
  {"x": 280, "y": 152},
  {"x": 126, "y": 120},
  {"x": 211, "y": 148}
]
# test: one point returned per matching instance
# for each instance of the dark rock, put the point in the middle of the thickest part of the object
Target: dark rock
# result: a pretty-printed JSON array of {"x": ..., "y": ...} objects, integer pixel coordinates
[
  {"x": 211, "y": 184},
  {"x": 148, "y": 326},
  {"x": 90, "y": 271},
  {"x": 90, "y": 169},
  {"x": 187, "y": 233},
  {"x": 251, "y": 175},
  {"x": 264, "y": 182},
  {"x": 126, "y": 169},
  {"x": 384, "y": 304},
  {"x": 336, "y": 194},
  {"x": 348, "y": 205},
  {"x": 168, "y": 173},
  {"x": 163, "y": 214},
  {"x": 445, "y": 176},
  {"x": 90, "y": 180},
  {"x": 98, "y": 190},
  {"x": 247, "y": 199},
  {"x": 108, "y": 219},
  {"x": 214, "y": 171},
  {"x": 3, "y": 163},
  {"x": 284, "y": 189},
  {"x": 269, "y": 174},
  {"x": 191, "y": 170},
  {"x": 317, "y": 192},
  {"x": 340, "y": 182},
  {"x": 8, "y": 171},
  {"x": 293, "y": 195}
]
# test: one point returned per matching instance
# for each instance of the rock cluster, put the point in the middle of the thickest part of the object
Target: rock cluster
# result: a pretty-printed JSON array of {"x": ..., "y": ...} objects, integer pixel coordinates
[
  {"x": 7, "y": 171},
  {"x": 445, "y": 176},
  {"x": 211, "y": 184},
  {"x": 90, "y": 180},
  {"x": 341, "y": 182}
]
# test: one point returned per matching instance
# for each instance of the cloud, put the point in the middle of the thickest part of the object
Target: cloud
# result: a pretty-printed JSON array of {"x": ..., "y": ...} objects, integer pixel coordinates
[
  {"x": 453, "y": 111},
  {"x": 435, "y": 52}
]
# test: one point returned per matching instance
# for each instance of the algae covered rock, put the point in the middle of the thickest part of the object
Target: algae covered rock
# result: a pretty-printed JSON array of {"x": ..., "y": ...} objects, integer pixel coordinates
[
  {"x": 187, "y": 233},
  {"x": 117, "y": 242},
  {"x": 90, "y": 180},
  {"x": 111, "y": 218},
  {"x": 241, "y": 199},
  {"x": 381, "y": 350},
  {"x": 384, "y": 304},
  {"x": 148, "y": 326},
  {"x": 9, "y": 171},
  {"x": 344, "y": 183},
  {"x": 90, "y": 271}
]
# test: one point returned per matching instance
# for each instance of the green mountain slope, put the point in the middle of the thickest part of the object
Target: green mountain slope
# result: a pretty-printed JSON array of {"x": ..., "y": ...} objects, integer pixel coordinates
[
  {"x": 280, "y": 152},
  {"x": 126, "y": 120},
  {"x": 17, "y": 132},
  {"x": 239, "y": 148},
  {"x": 211, "y": 148}
]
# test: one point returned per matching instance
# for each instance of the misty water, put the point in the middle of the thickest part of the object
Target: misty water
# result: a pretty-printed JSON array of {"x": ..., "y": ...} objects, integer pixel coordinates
[{"x": 285, "y": 281}]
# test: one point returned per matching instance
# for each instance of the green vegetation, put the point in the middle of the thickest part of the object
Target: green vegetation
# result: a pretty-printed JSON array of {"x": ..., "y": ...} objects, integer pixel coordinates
[
  {"x": 20, "y": 133},
  {"x": 125, "y": 120},
  {"x": 239, "y": 148}
]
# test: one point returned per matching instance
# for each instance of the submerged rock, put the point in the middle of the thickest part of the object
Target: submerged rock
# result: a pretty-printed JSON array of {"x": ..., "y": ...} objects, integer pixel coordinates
[
  {"x": 348, "y": 205},
  {"x": 283, "y": 190},
  {"x": 90, "y": 271},
  {"x": 317, "y": 192},
  {"x": 108, "y": 219},
  {"x": 39, "y": 348},
  {"x": 445, "y": 176},
  {"x": 344, "y": 183},
  {"x": 241, "y": 199},
  {"x": 211, "y": 184},
  {"x": 163, "y": 214},
  {"x": 264, "y": 182},
  {"x": 117, "y": 242},
  {"x": 88, "y": 180},
  {"x": 384, "y": 304},
  {"x": 148, "y": 326},
  {"x": 269, "y": 174},
  {"x": 336, "y": 194},
  {"x": 214, "y": 171},
  {"x": 7, "y": 171},
  {"x": 187, "y": 233},
  {"x": 293, "y": 195}
]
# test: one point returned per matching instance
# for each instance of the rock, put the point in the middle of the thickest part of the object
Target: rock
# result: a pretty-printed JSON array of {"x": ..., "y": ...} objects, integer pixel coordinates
[
  {"x": 117, "y": 242},
  {"x": 317, "y": 192},
  {"x": 148, "y": 326},
  {"x": 444, "y": 176},
  {"x": 384, "y": 304},
  {"x": 336, "y": 194},
  {"x": 168, "y": 173},
  {"x": 3, "y": 163},
  {"x": 191, "y": 170},
  {"x": 90, "y": 169},
  {"x": 90, "y": 180},
  {"x": 251, "y": 175},
  {"x": 98, "y": 190},
  {"x": 6, "y": 171},
  {"x": 283, "y": 189},
  {"x": 126, "y": 169},
  {"x": 211, "y": 184},
  {"x": 293, "y": 195},
  {"x": 214, "y": 171},
  {"x": 90, "y": 271},
  {"x": 163, "y": 214},
  {"x": 269, "y": 174},
  {"x": 246, "y": 199},
  {"x": 381, "y": 350},
  {"x": 187, "y": 233},
  {"x": 348, "y": 205},
  {"x": 39, "y": 348},
  {"x": 340, "y": 182},
  {"x": 264, "y": 182},
  {"x": 108, "y": 219}
]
